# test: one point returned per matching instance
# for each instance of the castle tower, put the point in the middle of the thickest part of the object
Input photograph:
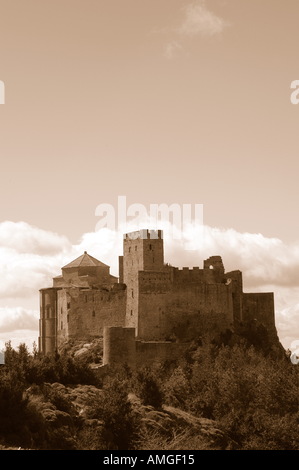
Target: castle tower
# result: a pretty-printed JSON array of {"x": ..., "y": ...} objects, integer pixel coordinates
[
  {"x": 214, "y": 269},
  {"x": 48, "y": 320},
  {"x": 143, "y": 251}
]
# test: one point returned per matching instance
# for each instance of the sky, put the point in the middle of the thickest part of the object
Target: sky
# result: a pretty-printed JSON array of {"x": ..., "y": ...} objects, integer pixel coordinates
[{"x": 161, "y": 101}]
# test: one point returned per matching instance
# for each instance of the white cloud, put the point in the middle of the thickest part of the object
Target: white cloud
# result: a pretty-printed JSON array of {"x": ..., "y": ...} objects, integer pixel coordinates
[
  {"x": 263, "y": 260},
  {"x": 17, "y": 318},
  {"x": 29, "y": 257},
  {"x": 18, "y": 337},
  {"x": 24, "y": 238},
  {"x": 104, "y": 244},
  {"x": 287, "y": 314},
  {"x": 199, "y": 20}
]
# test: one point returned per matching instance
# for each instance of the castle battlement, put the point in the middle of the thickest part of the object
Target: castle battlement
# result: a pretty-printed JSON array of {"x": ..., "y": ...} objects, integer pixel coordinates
[
  {"x": 185, "y": 269},
  {"x": 145, "y": 234}
]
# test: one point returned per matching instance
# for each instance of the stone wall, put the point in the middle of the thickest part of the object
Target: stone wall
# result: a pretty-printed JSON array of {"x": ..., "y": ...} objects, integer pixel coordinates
[
  {"x": 83, "y": 314},
  {"x": 183, "y": 311},
  {"x": 260, "y": 307},
  {"x": 234, "y": 278},
  {"x": 121, "y": 347},
  {"x": 157, "y": 352}
]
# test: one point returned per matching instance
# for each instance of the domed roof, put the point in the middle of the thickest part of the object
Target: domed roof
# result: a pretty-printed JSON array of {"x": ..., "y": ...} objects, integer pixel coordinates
[{"x": 85, "y": 260}]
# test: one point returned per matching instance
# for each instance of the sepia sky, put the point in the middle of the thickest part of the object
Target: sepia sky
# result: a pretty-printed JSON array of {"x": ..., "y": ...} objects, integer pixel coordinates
[{"x": 164, "y": 101}]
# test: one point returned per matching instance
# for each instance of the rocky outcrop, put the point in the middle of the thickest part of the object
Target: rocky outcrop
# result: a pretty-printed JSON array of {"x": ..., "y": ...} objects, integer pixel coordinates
[
  {"x": 65, "y": 412},
  {"x": 173, "y": 428}
]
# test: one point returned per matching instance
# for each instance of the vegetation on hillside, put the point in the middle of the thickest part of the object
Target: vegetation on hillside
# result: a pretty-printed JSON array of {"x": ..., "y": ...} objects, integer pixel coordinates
[{"x": 58, "y": 402}]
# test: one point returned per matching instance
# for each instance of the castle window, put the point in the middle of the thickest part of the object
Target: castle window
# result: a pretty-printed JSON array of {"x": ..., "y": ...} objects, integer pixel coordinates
[
  {"x": 68, "y": 305},
  {"x": 211, "y": 267},
  {"x": 136, "y": 248},
  {"x": 67, "y": 318},
  {"x": 131, "y": 312},
  {"x": 61, "y": 325},
  {"x": 129, "y": 249},
  {"x": 150, "y": 247},
  {"x": 132, "y": 294}
]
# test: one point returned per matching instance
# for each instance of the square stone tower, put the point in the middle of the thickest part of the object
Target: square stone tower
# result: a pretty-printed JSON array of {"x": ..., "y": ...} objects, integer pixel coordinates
[{"x": 143, "y": 251}]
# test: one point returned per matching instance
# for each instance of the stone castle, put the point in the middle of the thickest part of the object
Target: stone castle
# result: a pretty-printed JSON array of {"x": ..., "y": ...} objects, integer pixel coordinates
[{"x": 152, "y": 310}]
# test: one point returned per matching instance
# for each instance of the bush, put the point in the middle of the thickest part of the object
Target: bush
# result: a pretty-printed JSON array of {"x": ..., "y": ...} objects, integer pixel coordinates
[
  {"x": 177, "y": 388},
  {"x": 12, "y": 407},
  {"x": 254, "y": 398},
  {"x": 148, "y": 388},
  {"x": 36, "y": 368},
  {"x": 58, "y": 399},
  {"x": 120, "y": 423}
]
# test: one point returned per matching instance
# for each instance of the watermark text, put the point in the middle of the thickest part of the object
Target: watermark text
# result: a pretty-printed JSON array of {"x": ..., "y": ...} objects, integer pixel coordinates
[{"x": 178, "y": 217}]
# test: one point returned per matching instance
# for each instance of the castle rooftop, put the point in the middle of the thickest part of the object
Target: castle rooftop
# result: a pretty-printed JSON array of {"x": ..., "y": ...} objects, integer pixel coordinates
[{"x": 84, "y": 260}]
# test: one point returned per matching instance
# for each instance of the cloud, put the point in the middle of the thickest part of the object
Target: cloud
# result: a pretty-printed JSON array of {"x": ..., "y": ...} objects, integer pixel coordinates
[
  {"x": 21, "y": 273},
  {"x": 263, "y": 260},
  {"x": 17, "y": 318},
  {"x": 18, "y": 337},
  {"x": 201, "y": 21},
  {"x": 105, "y": 244},
  {"x": 172, "y": 49},
  {"x": 197, "y": 21},
  {"x": 28, "y": 256},
  {"x": 287, "y": 314},
  {"x": 24, "y": 238}
]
